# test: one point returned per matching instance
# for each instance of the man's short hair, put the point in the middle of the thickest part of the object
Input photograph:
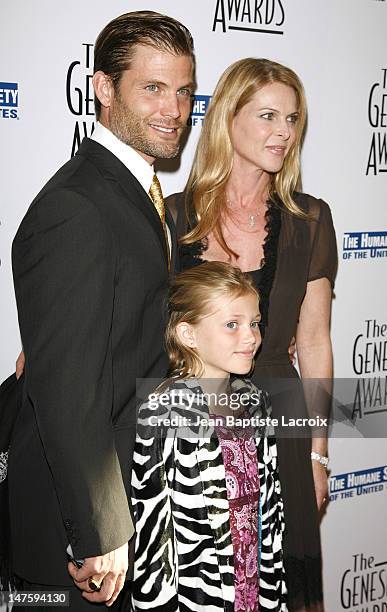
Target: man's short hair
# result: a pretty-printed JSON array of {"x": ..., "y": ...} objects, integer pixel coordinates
[{"x": 114, "y": 46}]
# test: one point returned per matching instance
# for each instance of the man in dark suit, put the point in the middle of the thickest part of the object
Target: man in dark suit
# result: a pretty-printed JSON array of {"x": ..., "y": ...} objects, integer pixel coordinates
[{"x": 91, "y": 263}]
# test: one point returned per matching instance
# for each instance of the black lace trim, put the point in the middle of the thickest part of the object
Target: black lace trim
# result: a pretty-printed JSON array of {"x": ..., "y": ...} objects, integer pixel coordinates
[
  {"x": 192, "y": 255},
  {"x": 303, "y": 582},
  {"x": 270, "y": 255}
]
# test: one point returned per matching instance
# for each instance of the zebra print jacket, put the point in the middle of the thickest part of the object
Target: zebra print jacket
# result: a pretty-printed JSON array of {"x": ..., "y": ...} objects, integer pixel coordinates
[{"x": 183, "y": 549}]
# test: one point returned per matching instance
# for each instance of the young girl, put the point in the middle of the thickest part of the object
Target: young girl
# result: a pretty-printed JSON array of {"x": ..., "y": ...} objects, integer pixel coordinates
[{"x": 205, "y": 489}]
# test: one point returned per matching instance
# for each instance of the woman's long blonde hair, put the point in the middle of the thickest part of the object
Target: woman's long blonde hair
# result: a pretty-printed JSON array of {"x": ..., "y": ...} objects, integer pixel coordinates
[
  {"x": 190, "y": 296},
  {"x": 211, "y": 169}
]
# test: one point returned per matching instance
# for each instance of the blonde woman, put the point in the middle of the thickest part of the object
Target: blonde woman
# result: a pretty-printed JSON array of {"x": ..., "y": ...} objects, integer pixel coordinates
[{"x": 241, "y": 205}]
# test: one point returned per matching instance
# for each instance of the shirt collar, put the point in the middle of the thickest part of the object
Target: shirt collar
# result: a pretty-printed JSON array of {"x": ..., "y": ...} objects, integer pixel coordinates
[{"x": 126, "y": 154}]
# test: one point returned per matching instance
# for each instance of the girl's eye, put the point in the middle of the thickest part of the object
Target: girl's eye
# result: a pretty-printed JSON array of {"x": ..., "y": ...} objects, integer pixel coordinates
[
  {"x": 232, "y": 324},
  {"x": 256, "y": 324}
]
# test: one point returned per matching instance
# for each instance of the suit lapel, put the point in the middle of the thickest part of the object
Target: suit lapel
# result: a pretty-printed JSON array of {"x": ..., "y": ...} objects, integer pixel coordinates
[
  {"x": 114, "y": 170},
  {"x": 172, "y": 228},
  {"x": 136, "y": 194}
]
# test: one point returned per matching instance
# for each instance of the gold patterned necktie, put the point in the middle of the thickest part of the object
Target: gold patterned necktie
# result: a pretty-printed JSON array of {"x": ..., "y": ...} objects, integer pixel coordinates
[{"x": 156, "y": 196}]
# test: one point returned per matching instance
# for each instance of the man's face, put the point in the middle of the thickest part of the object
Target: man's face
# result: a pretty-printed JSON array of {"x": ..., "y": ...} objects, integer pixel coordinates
[{"x": 150, "y": 108}]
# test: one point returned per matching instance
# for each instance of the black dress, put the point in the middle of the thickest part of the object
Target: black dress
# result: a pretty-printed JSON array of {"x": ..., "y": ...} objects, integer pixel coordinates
[{"x": 296, "y": 250}]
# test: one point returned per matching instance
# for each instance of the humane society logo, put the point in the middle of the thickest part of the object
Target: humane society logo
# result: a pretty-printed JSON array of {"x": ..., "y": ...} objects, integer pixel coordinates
[
  {"x": 199, "y": 109},
  {"x": 362, "y": 482},
  {"x": 364, "y": 245},
  {"x": 9, "y": 100}
]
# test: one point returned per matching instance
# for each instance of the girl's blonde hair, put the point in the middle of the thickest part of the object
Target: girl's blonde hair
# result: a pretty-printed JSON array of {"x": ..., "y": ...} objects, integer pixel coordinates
[
  {"x": 190, "y": 298},
  {"x": 211, "y": 169}
]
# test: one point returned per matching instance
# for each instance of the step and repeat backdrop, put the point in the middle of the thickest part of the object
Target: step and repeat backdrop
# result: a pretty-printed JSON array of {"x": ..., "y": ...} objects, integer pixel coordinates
[{"x": 339, "y": 49}]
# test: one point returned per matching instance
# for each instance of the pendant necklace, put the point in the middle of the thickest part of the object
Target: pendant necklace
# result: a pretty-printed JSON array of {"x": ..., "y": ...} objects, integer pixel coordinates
[{"x": 251, "y": 217}]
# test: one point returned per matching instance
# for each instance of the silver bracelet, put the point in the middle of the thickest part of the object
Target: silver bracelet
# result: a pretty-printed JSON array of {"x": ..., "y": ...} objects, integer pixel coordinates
[{"x": 320, "y": 458}]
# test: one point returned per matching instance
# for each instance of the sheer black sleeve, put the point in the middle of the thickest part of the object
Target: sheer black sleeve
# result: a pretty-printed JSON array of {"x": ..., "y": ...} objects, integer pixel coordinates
[{"x": 323, "y": 256}]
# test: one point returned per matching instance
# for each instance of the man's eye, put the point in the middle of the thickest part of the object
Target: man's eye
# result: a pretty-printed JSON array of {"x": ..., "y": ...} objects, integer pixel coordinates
[
  {"x": 185, "y": 92},
  {"x": 232, "y": 324},
  {"x": 152, "y": 87}
]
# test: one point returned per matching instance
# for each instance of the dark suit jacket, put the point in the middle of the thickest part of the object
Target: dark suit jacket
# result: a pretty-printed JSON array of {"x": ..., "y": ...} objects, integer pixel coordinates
[{"x": 90, "y": 272}]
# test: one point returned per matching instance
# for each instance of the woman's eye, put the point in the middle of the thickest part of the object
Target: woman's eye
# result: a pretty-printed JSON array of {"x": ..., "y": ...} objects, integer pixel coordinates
[
  {"x": 232, "y": 324},
  {"x": 293, "y": 118},
  {"x": 255, "y": 324},
  {"x": 268, "y": 116}
]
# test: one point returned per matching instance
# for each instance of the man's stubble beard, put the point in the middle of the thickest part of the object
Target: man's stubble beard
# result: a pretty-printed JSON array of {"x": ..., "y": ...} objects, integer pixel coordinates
[{"x": 128, "y": 127}]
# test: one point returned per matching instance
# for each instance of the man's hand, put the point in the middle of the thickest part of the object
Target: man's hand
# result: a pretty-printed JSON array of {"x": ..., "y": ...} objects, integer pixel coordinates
[
  {"x": 292, "y": 351},
  {"x": 20, "y": 362},
  {"x": 320, "y": 478},
  {"x": 107, "y": 570}
]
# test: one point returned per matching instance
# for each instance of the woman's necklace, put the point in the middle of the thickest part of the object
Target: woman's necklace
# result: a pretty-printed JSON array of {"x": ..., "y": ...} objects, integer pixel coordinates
[{"x": 245, "y": 219}]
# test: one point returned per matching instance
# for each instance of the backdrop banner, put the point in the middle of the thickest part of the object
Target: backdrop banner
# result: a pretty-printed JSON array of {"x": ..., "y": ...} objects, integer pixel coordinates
[{"x": 339, "y": 51}]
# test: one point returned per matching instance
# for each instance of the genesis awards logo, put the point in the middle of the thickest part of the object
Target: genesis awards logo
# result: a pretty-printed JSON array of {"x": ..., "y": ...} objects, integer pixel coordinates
[
  {"x": 377, "y": 118},
  {"x": 364, "y": 245},
  {"x": 265, "y": 16},
  {"x": 80, "y": 95},
  {"x": 363, "y": 585},
  {"x": 369, "y": 363},
  {"x": 9, "y": 100},
  {"x": 199, "y": 109}
]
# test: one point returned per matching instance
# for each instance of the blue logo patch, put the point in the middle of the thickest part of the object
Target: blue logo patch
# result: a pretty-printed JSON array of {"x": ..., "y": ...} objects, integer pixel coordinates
[
  {"x": 9, "y": 100},
  {"x": 199, "y": 109},
  {"x": 362, "y": 482},
  {"x": 362, "y": 245},
  {"x": 200, "y": 106}
]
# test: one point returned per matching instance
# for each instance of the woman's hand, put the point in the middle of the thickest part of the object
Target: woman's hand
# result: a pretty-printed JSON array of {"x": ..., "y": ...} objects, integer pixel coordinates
[
  {"x": 320, "y": 478},
  {"x": 20, "y": 362}
]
